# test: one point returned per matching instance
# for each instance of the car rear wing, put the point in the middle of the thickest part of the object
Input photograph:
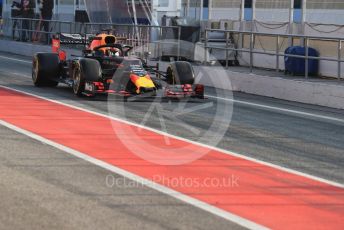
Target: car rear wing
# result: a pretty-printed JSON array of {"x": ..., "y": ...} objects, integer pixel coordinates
[
  {"x": 74, "y": 39},
  {"x": 82, "y": 39},
  {"x": 69, "y": 39}
]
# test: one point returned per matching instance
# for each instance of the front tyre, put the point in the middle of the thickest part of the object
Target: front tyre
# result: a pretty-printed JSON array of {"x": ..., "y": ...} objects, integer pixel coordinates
[
  {"x": 180, "y": 73},
  {"x": 79, "y": 81},
  {"x": 45, "y": 69},
  {"x": 85, "y": 70}
]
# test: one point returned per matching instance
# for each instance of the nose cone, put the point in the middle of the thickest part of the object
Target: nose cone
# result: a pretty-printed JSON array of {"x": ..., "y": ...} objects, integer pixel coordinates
[{"x": 144, "y": 84}]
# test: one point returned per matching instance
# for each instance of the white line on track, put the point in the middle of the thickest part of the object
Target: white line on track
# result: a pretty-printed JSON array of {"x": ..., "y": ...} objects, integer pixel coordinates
[
  {"x": 292, "y": 171},
  {"x": 257, "y": 105},
  {"x": 16, "y": 59},
  {"x": 279, "y": 109},
  {"x": 170, "y": 192}
]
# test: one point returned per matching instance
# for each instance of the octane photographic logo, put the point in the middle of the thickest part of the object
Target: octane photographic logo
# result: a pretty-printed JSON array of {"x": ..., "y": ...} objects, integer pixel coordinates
[{"x": 203, "y": 121}]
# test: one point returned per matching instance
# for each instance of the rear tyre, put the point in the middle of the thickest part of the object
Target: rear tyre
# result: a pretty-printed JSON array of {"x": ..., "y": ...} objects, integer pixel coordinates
[
  {"x": 45, "y": 69},
  {"x": 180, "y": 73}
]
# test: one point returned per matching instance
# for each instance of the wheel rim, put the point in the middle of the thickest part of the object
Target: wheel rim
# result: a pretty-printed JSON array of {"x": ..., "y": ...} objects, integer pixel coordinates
[
  {"x": 35, "y": 70},
  {"x": 76, "y": 83}
]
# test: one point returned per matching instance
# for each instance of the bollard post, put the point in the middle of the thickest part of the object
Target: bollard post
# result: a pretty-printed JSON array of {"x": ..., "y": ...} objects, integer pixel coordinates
[
  {"x": 227, "y": 51},
  {"x": 179, "y": 37},
  {"x": 206, "y": 47},
  {"x": 159, "y": 43},
  {"x": 251, "y": 51},
  {"x": 306, "y": 57},
  {"x": 339, "y": 59},
  {"x": 277, "y": 53}
]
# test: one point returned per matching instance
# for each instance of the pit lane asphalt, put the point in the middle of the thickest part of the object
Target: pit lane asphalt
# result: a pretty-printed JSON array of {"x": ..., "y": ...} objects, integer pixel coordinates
[
  {"x": 308, "y": 144},
  {"x": 44, "y": 188}
]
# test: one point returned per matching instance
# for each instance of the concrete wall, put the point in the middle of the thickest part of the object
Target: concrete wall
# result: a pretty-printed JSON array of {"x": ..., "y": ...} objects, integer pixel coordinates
[
  {"x": 325, "y": 16},
  {"x": 272, "y": 15},
  {"x": 28, "y": 49},
  {"x": 309, "y": 92},
  {"x": 223, "y": 13}
]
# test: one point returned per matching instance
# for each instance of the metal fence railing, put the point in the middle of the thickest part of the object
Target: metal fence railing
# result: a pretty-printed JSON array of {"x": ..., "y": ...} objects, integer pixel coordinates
[
  {"x": 277, "y": 52},
  {"x": 31, "y": 29},
  {"x": 143, "y": 36},
  {"x": 152, "y": 39}
]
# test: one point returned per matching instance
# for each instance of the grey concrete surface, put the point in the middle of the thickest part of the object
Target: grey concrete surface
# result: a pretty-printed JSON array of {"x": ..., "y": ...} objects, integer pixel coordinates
[{"x": 44, "y": 188}]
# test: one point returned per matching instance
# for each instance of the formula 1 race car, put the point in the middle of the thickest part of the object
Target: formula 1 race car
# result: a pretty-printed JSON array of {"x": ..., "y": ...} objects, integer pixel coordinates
[{"x": 106, "y": 68}]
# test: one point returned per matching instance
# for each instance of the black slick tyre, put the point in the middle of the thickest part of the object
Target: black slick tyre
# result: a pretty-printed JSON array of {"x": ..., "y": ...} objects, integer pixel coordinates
[
  {"x": 180, "y": 73},
  {"x": 45, "y": 69}
]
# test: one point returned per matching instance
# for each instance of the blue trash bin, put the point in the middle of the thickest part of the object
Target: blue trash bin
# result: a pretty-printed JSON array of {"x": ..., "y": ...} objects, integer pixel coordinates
[{"x": 296, "y": 65}]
